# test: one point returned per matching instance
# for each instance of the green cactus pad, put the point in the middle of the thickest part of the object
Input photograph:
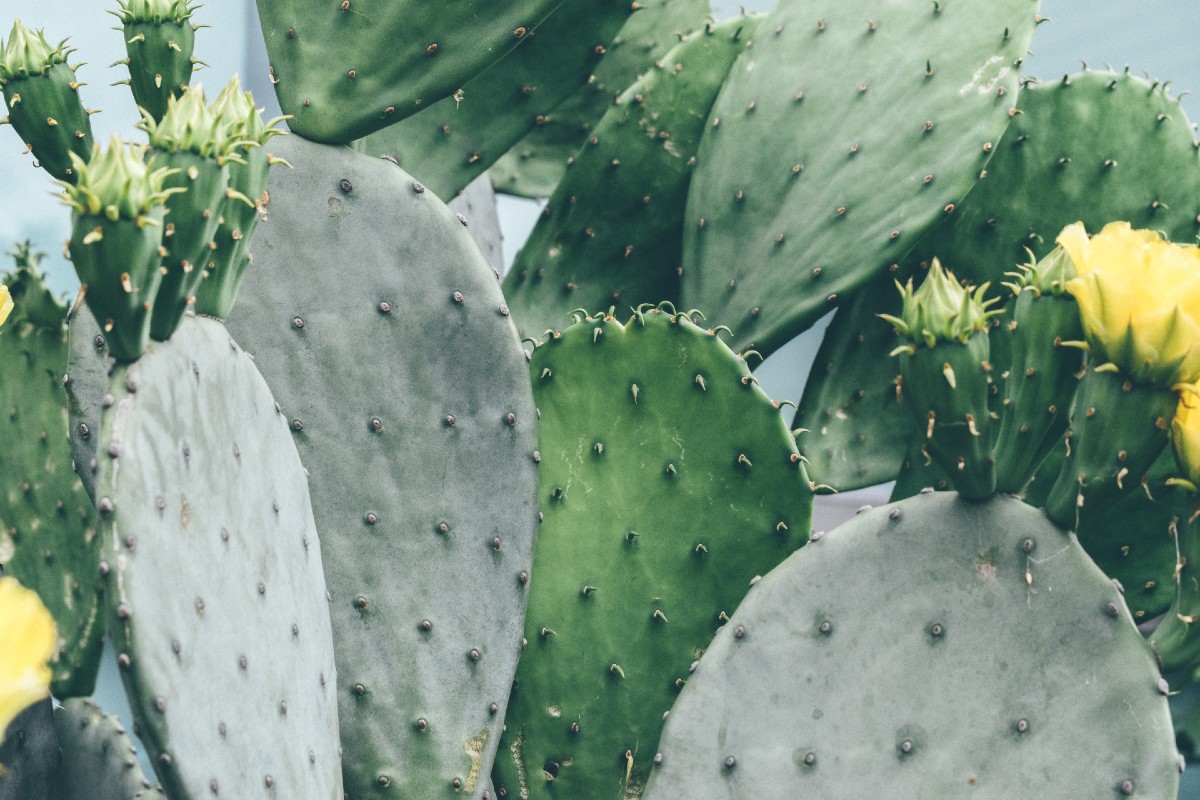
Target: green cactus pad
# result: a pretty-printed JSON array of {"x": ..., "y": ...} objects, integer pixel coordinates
[
  {"x": 612, "y": 232},
  {"x": 536, "y": 164},
  {"x": 98, "y": 762},
  {"x": 422, "y": 468},
  {"x": 1009, "y": 668},
  {"x": 1122, "y": 163},
  {"x": 837, "y": 143},
  {"x": 346, "y": 68},
  {"x": 48, "y": 532},
  {"x": 454, "y": 140},
  {"x": 1177, "y": 638},
  {"x": 29, "y": 753},
  {"x": 217, "y": 601},
  {"x": 42, "y": 95},
  {"x": 668, "y": 480},
  {"x": 477, "y": 203}
]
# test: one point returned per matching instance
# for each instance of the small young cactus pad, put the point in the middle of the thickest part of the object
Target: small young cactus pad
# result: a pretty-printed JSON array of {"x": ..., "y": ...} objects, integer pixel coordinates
[
  {"x": 422, "y": 470},
  {"x": 1010, "y": 668},
  {"x": 345, "y": 68},
  {"x": 159, "y": 39},
  {"x": 47, "y": 523},
  {"x": 612, "y": 232},
  {"x": 98, "y": 761},
  {"x": 217, "y": 601},
  {"x": 846, "y": 134},
  {"x": 668, "y": 481}
]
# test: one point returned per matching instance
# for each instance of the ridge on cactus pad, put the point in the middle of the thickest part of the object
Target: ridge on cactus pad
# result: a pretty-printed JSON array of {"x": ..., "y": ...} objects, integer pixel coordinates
[
  {"x": 929, "y": 648},
  {"x": 398, "y": 367},
  {"x": 668, "y": 481}
]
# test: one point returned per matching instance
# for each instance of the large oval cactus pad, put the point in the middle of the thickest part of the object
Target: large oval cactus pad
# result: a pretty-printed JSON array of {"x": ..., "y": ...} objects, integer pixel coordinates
[
  {"x": 1092, "y": 147},
  {"x": 217, "y": 598},
  {"x": 401, "y": 372},
  {"x": 48, "y": 535},
  {"x": 838, "y": 141},
  {"x": 668, "y": 480},
  {"x": 930, "y": 648},
  {"x": 345, "y": 68}
]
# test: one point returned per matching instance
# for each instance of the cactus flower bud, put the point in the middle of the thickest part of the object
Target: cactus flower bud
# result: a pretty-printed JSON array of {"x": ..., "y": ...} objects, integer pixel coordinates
[
  {"x": 6, "y": 304},
  {"x": 941, "y": 310},
  {"x": 27, "y": 630},
  {"x": 1139, "y": 299},
  {"x": 1185, "y": 436}
]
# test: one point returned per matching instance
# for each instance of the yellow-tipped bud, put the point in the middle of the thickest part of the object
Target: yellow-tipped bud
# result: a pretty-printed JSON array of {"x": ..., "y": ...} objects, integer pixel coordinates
[{"x": 1185, "y": 435}]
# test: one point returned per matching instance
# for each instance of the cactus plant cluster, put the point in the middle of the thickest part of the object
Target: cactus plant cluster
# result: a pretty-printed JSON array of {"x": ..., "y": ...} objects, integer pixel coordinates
[{"x": 351, "y": 536}]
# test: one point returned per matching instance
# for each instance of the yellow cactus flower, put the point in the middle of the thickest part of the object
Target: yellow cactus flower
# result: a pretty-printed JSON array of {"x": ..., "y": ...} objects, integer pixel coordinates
[
  {"x": 6, "y": 303},
  {"x": 1185, "y": 435},
  {"x": 1139, "y": 299},
  {"x": 27, "y": 636}
]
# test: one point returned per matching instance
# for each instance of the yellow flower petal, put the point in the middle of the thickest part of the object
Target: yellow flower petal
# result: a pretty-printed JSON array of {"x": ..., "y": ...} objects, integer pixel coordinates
[
  {"x": 6, "y": 304},
  {"x": 27, "y": 635},
  {"x": 1139, "y": 299}
]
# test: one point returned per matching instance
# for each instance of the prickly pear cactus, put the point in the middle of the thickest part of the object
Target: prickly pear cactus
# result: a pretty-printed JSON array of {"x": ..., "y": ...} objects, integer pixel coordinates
[
  {"x": 844, "y": 136},
  {"x": 99, "y": 762},
  {"x": 477, "y": 203},
  {"x": 47, "y": 523},
  {"x": 423, "y": 471},
  {"x": 345, "y": 68},
  {"x": 1094, "y": 147},
  {"x": 612, "y": 231},
  {"x": 29, "y": 754},
  {"x": 86, "y": 383},
  {"x": 991, "y": 616},
  {"x": 536, "y": 164},
  {"x": 669, "y": 481},
  {"x": 217, "y": 601},
  {"x": 459, "y": 137}
]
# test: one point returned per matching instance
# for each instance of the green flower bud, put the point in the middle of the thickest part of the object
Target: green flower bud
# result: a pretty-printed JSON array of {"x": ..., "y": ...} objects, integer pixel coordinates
[
  {"x": 1048, "y": 276},
  {"x": 29, "y": 53},
  {"x": 940, "y": 311},
  {"x": 190, "y": 125},
  {"x": 133, "y": 11},
  {"x": 236, "y": 108},
  {"x": 117, "y": 183}
]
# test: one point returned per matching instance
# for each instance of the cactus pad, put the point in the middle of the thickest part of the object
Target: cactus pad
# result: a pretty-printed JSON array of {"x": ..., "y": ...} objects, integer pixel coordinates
[
  {"x": 536, "y": 164},
  {"x": 47, "y": 523},
  {"x": 99, "y": 762},
  {"x": 29, "y": 753},
  {"x": 450, "y": 143},
  {"x": 990, "y": 619},
  {"x": 345, "y": 68},
  {"x": 668, "y": 480},
  {"x": 422, "y": 470},
  {"x": 217, "y": 599},
  {"x": 845, "y": 135},
  {"x": 1094, "y": 147},
  {"x": 612, "y": 231}
]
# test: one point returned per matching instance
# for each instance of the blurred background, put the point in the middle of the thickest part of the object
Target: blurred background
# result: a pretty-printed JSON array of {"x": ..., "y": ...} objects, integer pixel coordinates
[{"x": 1156, "y": 38}]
